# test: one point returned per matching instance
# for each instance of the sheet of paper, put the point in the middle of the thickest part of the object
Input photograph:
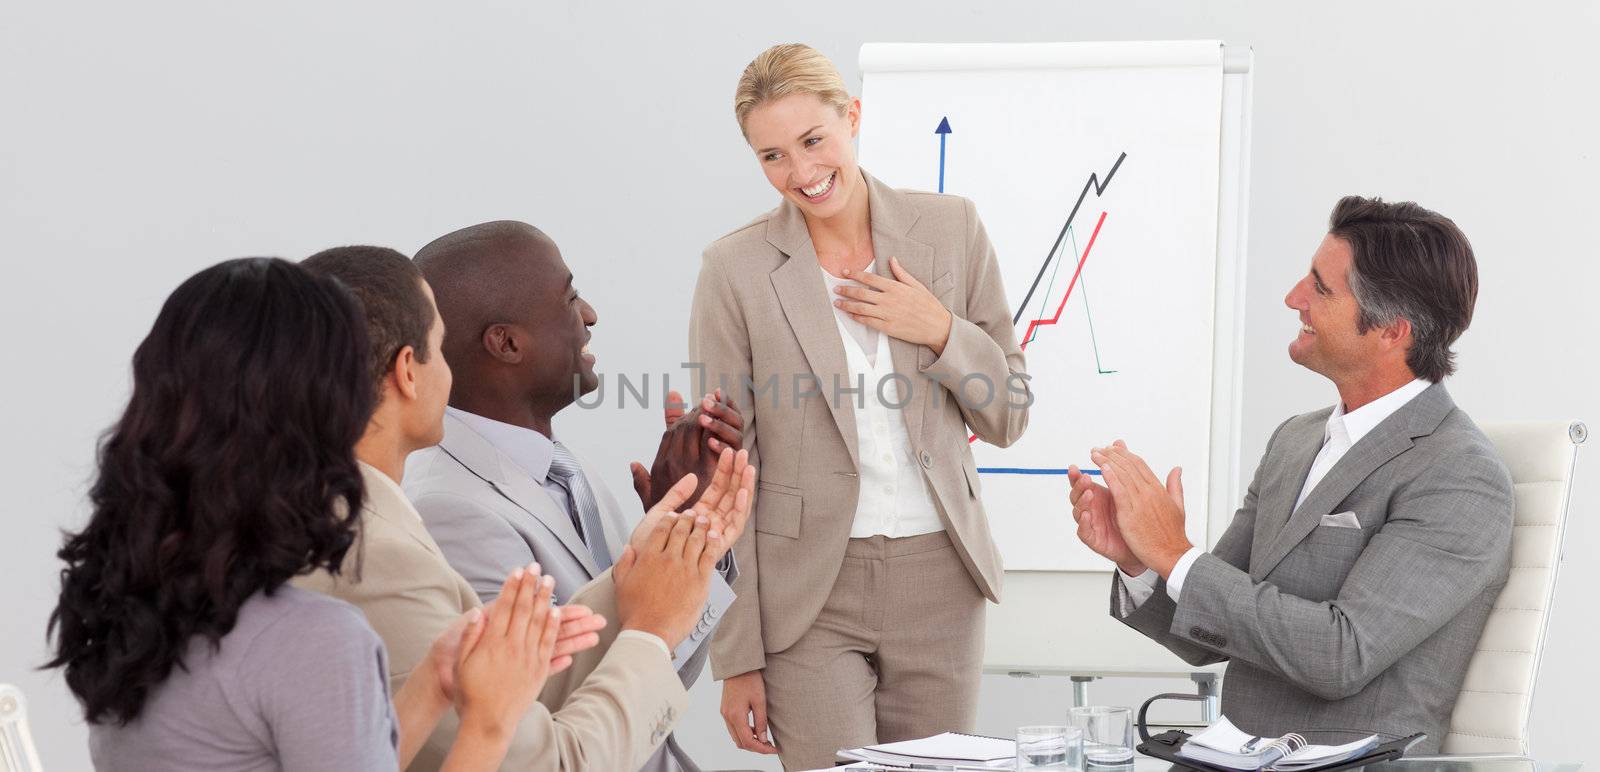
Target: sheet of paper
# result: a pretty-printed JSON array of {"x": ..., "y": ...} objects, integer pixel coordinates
[{"x": 952, "y": 745}]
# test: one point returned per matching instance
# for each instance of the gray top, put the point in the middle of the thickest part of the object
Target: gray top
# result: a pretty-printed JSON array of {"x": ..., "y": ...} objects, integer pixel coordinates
[{"x": 299, "y": 683}]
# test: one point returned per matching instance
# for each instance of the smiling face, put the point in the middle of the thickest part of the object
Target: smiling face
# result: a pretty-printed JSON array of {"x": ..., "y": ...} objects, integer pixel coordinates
[
  {"x": 558, "y": 328},
  {"x": 805, "y": 147},
  {"x": 1330, "y": 341}
]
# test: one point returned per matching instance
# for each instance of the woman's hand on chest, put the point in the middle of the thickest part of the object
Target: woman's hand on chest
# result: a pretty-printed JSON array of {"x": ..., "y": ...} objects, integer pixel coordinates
[{"x": 900, "y": 307}]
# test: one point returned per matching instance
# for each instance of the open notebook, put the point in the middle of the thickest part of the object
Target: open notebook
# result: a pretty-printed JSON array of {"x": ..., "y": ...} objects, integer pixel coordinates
[
  {"x": 1224, "y": 745},
  {"x": 950, "y": 748}
]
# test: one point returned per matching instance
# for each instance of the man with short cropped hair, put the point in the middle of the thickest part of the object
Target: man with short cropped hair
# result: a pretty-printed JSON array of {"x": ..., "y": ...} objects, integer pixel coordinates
[
  {"x": 1350, "y": 589},
  {"x": 620, "y": 698},
  {"x": 502, "y": 489}
]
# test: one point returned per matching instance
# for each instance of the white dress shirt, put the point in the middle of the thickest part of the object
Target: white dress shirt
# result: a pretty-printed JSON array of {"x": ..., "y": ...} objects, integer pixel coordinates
[
  {"x": 864, "y": 335},
  {"x": 893, "y": 498},
  {"x": 1341, "y": 433}
]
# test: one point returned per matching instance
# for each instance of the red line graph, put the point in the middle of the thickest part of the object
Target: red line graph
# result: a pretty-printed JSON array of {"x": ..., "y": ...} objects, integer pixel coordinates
[{"x": 1027, "y": 337}]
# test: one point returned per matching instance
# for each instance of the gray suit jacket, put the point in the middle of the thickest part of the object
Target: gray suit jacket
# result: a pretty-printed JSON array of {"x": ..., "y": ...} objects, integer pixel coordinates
[
  {"x": 1337, "y": 633},
  {"x": 489, "y": 518}
]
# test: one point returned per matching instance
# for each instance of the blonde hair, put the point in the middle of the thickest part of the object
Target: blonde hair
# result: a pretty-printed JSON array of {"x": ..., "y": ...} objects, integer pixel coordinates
[{"x": 785, "y": 70}]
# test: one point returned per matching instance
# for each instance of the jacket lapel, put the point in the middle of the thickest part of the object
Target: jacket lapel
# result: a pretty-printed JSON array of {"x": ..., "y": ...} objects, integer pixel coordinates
[
  {"x": 892, "y": 218},
  {"x": 809, "y": 310},
  {"x": 386, "y": 504},
  {"x": 1277, "y": 502},
  {"x": 481, "y": 458},
  {"x": 1387, "y": 440}
]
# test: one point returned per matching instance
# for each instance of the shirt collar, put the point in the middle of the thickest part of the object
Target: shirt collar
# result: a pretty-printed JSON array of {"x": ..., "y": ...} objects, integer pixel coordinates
[
  {"x": 529, "y": 449},
  {"x": 1361, "y": 421}
]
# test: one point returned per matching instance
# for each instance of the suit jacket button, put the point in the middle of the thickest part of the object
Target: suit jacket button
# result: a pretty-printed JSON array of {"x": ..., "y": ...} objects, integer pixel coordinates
[
  {"x": 1197, "y": 633},
  {"x": 927, "y": 459}
]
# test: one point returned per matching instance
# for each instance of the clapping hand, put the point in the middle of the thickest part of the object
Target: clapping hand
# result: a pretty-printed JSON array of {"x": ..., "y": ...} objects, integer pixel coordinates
[
  {"x": 729, "y": 497},
  {"x": 579, "y": 631},
  {"x": 1149, "y": 515},
  {"x": 505, "y": 655},
  {"x": 690, "y": 443},
  {"x": 662, "y": 583},
  {"x": 1095, "y": 512}
]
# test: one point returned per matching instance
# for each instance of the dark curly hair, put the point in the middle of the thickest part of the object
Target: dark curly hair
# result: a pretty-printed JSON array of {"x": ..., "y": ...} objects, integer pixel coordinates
[{"x": 232, "y": 470}]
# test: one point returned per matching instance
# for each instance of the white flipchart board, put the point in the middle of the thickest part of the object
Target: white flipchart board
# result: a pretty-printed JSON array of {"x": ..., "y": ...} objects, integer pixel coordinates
[{"x": 1112, "y": 179}]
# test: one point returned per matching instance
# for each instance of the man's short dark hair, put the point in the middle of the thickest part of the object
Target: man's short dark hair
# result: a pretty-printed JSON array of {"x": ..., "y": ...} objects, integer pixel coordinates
[
  {"x": 390, "y": 288},
  {"x": 1410, "y": 263}
]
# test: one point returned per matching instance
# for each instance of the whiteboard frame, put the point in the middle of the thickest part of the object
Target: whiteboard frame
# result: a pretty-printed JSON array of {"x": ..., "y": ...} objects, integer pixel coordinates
[{"x": 1057, "y": 622}]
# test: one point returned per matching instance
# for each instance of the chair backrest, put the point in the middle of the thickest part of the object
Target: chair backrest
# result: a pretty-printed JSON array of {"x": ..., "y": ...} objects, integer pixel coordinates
[
  {"x": 17, "y": 753},
  {"x": 1491, "y": 714}
]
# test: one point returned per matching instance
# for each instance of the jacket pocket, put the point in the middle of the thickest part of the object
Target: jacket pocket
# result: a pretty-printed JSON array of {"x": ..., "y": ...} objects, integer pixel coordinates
[
  {"x": 970, "y": 467},
  {"x": 1337, "y": 538},
  {"x": 778, "y": 510}
]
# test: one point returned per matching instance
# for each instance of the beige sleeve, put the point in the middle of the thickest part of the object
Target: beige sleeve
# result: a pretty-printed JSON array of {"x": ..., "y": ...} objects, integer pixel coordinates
[
  {"x": 720, "y": 342},
  {"x": 610, "y": 710},
  {"x": 983, "y": 342},
  {"x": 408, "y": 595}
]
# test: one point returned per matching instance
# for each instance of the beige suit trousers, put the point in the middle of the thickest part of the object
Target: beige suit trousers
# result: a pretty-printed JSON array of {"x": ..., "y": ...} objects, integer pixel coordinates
[{"x": 896, "y": 654}]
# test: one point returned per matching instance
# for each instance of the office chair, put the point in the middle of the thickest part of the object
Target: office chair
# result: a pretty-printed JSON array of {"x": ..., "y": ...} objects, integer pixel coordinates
[
  {"x": 1491, "y": 714},
  {"x": 17, "y": 753}
]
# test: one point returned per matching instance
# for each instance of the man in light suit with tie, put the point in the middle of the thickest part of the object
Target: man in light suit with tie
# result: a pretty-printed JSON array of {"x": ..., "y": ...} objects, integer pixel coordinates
[
  {"x": 615, "y": 692},
  {"x": 1350, "y": 589},
  {"x": 500, "y": 491}
]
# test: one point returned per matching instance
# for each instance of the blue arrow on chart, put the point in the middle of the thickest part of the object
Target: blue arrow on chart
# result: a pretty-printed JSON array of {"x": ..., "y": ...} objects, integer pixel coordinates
[{"x": 943, "y": 131}]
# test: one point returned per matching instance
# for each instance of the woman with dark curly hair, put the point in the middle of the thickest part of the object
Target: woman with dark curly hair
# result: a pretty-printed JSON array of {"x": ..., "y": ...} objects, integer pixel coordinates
[{"x": 231, "y": 471}]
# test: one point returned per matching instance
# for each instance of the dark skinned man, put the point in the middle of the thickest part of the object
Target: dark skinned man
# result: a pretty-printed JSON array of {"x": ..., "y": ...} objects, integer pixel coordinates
[{"x": 501, "y": 489}]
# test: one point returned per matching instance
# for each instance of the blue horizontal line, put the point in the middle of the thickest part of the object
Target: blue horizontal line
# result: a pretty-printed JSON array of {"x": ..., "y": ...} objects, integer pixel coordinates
[{"x": 1020, "y": 470}]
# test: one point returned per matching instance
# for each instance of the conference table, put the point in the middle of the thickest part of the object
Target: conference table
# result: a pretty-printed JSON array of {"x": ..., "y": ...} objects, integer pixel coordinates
[{"x": 1418, "y": 764}]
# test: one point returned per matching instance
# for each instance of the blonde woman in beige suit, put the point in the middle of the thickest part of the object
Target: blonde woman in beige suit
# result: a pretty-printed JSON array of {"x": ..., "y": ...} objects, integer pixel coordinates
[{"x": 864, "y": 332}]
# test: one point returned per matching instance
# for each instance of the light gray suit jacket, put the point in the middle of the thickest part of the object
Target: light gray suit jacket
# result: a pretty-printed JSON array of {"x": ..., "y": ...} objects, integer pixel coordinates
[
  {"x": 1337, "y": 633},
  {"x": 490, "y": 517}
]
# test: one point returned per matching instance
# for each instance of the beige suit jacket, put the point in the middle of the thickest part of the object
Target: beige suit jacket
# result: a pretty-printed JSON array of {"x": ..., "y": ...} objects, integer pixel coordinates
[
  {"x": 762, "y": 325},
  {"x": 610, "y": 710}
]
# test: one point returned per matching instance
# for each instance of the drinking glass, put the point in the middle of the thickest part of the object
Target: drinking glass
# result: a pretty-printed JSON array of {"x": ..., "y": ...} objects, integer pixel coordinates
[
  {"x": 1107, "y": 735},
  {"x": 1055, "y": 748}
]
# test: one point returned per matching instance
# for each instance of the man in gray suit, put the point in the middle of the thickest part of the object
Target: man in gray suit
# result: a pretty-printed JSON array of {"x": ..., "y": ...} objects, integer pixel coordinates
[
  {"x": 1349, "y": 591},
  {"x": 500, "y": 490}
]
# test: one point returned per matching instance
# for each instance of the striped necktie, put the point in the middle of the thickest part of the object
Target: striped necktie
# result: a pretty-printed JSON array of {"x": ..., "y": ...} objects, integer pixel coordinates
[{"x": 581, "y": 504}]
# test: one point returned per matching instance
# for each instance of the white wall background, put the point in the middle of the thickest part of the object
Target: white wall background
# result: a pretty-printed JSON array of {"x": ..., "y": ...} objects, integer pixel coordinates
[{"x": 142, "y": 141}]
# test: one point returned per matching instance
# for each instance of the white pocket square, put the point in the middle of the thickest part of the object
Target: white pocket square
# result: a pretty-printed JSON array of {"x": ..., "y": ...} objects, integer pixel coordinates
[{"x": 1341, "y": 520}]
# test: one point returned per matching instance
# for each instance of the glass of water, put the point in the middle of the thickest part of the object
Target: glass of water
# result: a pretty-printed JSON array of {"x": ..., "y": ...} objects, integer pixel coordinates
[
  {"x": 1107, "y": 735},
  {"x": 1054, "y": 748}
]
